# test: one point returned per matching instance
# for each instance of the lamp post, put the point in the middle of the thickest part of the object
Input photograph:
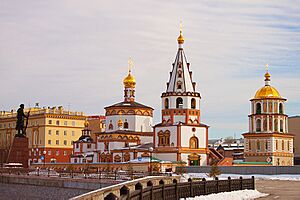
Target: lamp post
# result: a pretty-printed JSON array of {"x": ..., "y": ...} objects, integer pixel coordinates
[
  {"x": 150, "y": 160},
  {"x": 44, "y": 152}
]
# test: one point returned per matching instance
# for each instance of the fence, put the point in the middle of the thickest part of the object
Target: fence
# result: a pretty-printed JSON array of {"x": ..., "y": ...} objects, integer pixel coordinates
[
  {"x": 270, "y": 170},
  {"x": 182, "y": 190}
]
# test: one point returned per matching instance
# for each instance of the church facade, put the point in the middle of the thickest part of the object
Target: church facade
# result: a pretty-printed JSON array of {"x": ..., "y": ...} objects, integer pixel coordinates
[
  {"x": 181, "y": 137},
  {"x": 268, "y": 140}
]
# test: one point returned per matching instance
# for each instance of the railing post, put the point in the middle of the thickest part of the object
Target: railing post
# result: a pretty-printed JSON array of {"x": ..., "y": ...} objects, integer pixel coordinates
[
  {"x": 217, "y": 180},
  {"x": 191, "y": 187},
  {"x": 141, "y": 194},
  {"x": 163, "y": 191},
  {"x": 176, "y": 191},
  {"x": 229, "y": 184},
  {"x": 253, "y": 183},
  {"x": 241, "y": 183},
  {"x": 204, "y": 186},
  {"x": 151, "y": 193}
]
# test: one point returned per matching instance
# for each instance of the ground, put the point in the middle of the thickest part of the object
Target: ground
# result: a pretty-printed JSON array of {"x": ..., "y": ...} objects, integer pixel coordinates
[
  {"x": 279, "y": 189},
  {"x": 32, "y": 192}
]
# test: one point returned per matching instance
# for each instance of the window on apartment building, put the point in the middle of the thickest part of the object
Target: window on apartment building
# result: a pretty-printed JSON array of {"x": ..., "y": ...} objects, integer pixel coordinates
[
  {"x": 0, "y": 125},
  {"x": 65, "y": 132},
  {"x": 66, "y": 123},
  {"x": 49, "y": 152},
  {"x": 57, "y": 152},
  {"x": 49, "y": 132},
  {"x": 73, "y": 133},
  {"x": 57, "y": 142},
  {"x": 4, "y": 125},
  {"x": 50, "y": 122},
  {"x": 65, "y": 142},
  {"x": 57, "y": 122},
  {"x": 57, "y": 132},
  {"x": 49, "y": 141},
  {"x": 282, "y": 145},
  {"x": 73, "y": 123},
  {"x": 65, "y": 153}
]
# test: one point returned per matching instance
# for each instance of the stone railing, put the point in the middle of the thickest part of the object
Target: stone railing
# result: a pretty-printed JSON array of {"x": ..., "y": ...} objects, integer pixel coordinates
[{"x": 122, "y": 189}]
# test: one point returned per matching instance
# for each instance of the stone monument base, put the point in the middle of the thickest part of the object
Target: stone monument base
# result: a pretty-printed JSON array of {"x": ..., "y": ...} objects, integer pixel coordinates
[{"x": 18, "y": 152}]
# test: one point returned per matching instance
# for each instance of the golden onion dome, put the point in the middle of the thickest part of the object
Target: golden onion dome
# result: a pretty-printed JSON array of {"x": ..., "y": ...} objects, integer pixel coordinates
[
  {"x": 120, "y": 123},
  {"x": 129, "y": 81},
  {"x": 267, "y": 91},
  {"x": 180, "y": 39},
  {"x": 86, "y": 123}
]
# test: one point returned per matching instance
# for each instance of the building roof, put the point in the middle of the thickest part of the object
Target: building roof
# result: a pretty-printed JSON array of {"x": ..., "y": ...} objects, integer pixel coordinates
[{"x": 131, "y": 104}]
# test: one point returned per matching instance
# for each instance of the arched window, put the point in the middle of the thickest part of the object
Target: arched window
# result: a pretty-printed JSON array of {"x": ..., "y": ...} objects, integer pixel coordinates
[
  {"x": 166, "y": 103},
  {"x": 258, "y": 125},
  {"x": 258, "y": 145},
  {"x": 179, "y": 85},
  {"x": 282, "y": 145},
  {"x": 276, "y": 125},
  {"x": 281, "y": 125},
  {"x": 179, "y": 74},
  {"x": 194, "y": 142},
  {"x": 164, "y": 138},
  {"x": 179, "y": 102},
  {"x": 280, "y": 108},
  {"x": 110, "y": 127},
  {"x": 265, "y": 125},
  {"x": 193, "y": 103},
  {"x": 258, "y": 108},
  {"x": 125, "y": 125}
]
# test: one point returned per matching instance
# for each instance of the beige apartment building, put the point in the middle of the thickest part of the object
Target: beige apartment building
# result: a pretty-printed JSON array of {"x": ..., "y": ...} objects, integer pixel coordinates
[
  {"x": 51, "y": 132},
  {"x": 294, "y": 128}
]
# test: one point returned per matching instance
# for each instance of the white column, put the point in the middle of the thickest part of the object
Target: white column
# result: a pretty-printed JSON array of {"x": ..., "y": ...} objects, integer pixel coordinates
[
  {"x": 273, "y": 122},
  {"x": 268, "y": 120},
  {"x": 286, "y": 125}
]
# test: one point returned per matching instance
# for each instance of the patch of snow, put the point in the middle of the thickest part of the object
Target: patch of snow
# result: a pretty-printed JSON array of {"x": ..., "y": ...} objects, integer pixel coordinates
[
  {"x": 234, "y": 195},
  {"x": 290, "y": 177}
]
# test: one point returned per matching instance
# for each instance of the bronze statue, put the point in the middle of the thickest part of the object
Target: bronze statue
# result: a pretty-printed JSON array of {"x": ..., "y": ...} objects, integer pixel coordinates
[{"x": 20, "y": 121}]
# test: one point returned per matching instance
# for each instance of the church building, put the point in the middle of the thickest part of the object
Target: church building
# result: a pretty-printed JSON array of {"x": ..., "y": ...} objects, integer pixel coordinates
[
  {"x": 181, "y": 136},
  {"x": 268, "y": 140}
]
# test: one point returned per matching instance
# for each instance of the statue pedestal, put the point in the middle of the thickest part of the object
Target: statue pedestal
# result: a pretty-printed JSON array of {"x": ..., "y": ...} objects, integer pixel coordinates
[{"x": 18, "y": 152}]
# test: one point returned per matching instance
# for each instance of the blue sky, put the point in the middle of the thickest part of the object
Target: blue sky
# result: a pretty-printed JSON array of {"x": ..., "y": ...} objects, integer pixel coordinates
[{"x": 75, "y": 52}]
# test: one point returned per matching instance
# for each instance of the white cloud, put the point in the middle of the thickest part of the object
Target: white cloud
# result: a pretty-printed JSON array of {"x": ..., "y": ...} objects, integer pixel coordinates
[{"x": 60, "y": 52}]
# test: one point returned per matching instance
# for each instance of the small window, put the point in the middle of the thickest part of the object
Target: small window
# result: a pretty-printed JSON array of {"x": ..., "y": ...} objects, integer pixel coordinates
[
  {"x": 49, "y": 141},
  {"x": 179, "y": 102},
  {"x": 179, "y": 86},
  {"x": 193, "y": 103},
  {"x": 50, "y": 122},
  {"x": 77, "y": 145},
  {"x": 110, "y": 127},
  {"x": 167, "y": 103},
  {"x": 65, "y": 142},
  {"x": 73, "y": 133},
  {"x": 125, "y": 124},
  {"x": 258, "y": 125},
  {"x": 258, "y": 108},
  {"x": 49, "y": 132},
  {"x": 179, "y": 74},
  {"x": 57, "y": 123},
  {"x": 65, "y": 133},
  {"x": 280, "y": 108},
  {"x": 57, "y": 142},
  {"x": 66, "y": 123},
  {"x": 73, "y": 123},
  {"x": 89, "y": 146},
  {"x": 57, "y": 132}
]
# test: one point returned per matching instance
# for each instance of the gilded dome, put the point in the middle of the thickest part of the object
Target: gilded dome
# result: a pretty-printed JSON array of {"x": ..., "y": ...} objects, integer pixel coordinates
[
  {"x": 129, "y": 81},
  {"x": 267, "y": 92},
  {"x": 120, "y": 123},
  {"x": 180, "y": 39}
]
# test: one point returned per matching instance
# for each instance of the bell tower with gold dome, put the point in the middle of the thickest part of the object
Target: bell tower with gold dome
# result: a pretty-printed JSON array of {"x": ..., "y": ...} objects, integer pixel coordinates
[
  {"x": 181, "y": 136},
  {"x": 268, "y": 139},
  {"x": 129, "y": 84}
]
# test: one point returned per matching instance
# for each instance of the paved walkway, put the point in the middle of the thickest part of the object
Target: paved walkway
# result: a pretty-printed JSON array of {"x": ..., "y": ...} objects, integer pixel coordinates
[
  {"x": 33, "y": 192},
  {"x": 285, "y": 190}
]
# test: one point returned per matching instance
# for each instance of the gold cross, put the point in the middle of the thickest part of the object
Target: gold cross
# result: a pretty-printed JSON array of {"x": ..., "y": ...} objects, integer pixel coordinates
[
  {"x": 180, "y": 26},
  {"x": 267, "y": 66},
  {"x": 130, "y": 64}
]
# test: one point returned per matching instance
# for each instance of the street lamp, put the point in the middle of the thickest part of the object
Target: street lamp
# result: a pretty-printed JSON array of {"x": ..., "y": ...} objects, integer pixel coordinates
[
  {"x": 44, "y": 152},
  {"x": 150, "y": 160}
]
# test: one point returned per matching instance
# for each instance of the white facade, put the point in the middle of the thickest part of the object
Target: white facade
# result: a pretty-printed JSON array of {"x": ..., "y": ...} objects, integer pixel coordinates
[{"x": 136, "y": 123}]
